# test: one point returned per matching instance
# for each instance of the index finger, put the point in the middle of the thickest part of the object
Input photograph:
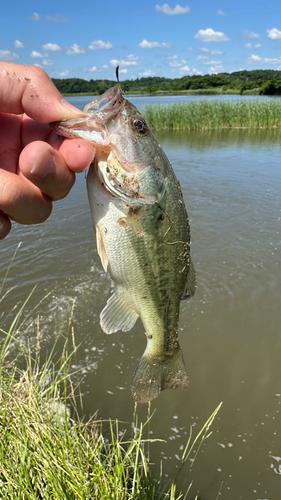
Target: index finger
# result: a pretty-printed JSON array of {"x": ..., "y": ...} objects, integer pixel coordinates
[{"x": 28, "y": 89}]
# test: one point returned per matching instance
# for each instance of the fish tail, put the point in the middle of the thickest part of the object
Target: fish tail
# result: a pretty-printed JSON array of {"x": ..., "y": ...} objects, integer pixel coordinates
[{"x": 156, "y": 373}]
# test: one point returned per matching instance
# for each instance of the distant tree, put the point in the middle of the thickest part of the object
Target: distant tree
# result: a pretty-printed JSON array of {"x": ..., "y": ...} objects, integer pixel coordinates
[
  {"x": 267, "y": 80},
  {"x": 272, "y": 87},
  {"x": 152, "y": 89}
]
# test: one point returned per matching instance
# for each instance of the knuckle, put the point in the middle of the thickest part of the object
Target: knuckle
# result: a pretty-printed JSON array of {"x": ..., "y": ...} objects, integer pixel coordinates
[{"x": 39, "y": 73}]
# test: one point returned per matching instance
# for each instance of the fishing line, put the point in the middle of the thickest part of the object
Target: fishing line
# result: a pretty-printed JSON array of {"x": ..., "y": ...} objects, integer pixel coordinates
[{"x": 171, "y": 222}]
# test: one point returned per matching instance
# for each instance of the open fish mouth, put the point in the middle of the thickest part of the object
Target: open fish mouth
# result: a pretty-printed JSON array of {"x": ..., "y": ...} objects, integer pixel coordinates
[
  {"x": 99, "y": 119},
  {"x": 111, "y": 108}
]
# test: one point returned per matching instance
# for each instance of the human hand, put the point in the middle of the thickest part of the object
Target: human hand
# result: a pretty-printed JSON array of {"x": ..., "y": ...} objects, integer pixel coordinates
[{"x": 37, "y": 167}]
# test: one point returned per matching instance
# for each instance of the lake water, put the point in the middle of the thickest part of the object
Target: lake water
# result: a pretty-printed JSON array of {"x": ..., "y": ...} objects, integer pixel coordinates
[{"x": 230, "y": 331}]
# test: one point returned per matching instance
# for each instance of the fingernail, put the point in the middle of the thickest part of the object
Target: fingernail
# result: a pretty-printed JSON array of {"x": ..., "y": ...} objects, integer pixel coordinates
[
  {"x": 44, "y": 164},
  {"x": 75, "y": 111}
]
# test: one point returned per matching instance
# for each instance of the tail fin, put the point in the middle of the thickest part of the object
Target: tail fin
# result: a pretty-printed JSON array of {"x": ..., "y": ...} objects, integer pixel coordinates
[{"x": 156, "y": 373}]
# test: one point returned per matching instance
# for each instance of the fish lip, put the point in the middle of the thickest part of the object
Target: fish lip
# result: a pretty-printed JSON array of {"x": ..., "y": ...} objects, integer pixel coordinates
[{"x": 74, "y": 129}]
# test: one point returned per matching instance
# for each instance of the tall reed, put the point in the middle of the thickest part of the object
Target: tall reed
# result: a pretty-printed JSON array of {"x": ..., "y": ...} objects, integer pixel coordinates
[{"x": 214, "y": 114}]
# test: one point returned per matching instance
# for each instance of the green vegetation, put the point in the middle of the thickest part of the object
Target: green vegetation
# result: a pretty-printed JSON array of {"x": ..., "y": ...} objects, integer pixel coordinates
[
  {"x": 48, "y": 452},
  {"x": 214, "y": 114},
  {"x": 264, "y": 82}
]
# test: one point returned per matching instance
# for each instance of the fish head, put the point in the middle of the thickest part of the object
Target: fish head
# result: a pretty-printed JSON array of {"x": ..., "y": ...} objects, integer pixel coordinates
[{"x": 131, "y": 164}]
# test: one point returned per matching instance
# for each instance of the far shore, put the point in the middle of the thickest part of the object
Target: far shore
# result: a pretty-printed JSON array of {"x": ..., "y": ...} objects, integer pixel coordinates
[{"x": 177, "y": 93}]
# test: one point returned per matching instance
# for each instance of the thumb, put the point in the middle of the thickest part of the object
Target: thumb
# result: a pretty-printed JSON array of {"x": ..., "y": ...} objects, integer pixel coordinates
[{"x": 28, "y": 89}]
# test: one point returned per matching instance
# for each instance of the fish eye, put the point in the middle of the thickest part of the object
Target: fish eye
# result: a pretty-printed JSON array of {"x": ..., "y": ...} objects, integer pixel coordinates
[{"x": 139, "y": 126}]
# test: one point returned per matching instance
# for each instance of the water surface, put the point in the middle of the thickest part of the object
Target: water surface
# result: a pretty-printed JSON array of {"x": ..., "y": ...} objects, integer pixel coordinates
[{"x": 230, "y": 331}]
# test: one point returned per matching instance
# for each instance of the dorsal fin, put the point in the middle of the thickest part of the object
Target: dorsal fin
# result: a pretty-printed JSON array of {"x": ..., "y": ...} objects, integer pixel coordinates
[{"x": 190, "y": 285}]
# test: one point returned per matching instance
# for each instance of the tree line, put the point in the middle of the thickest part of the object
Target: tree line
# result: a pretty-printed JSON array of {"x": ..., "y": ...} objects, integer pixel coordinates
[{"x": 263, "y": 82}]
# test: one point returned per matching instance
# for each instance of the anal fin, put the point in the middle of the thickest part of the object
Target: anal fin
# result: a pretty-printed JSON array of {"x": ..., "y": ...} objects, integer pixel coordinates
[{"x": 117, "y": 314}]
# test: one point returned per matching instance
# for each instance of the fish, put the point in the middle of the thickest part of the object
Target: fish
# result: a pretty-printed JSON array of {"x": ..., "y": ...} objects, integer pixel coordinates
[{"x": 142, "y": 233}]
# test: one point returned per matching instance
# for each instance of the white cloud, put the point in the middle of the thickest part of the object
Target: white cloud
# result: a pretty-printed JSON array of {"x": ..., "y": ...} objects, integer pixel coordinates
[
  {"x": 50, "y": 19},
  {"x": 195, "y": 71},
  {"x": 18, "y": 44},
  {"x": 263, "y": 60},
  {"x": 274, "y": 34},
  {"x": 151, "y": 45},
  {"x": 172, "y": 57},
  {"x": 221, "y": 13},
  {"x": 254, "y": 58},
  {"x": 37, "y": 54},
  {"x": 123, "y": 71},
  {"x": 209, "y": 35},
  {"x": 103, "y": 68},
  {"x": 64, "y": 73},
  {"x": 51, "y": 46},
  {"x": 177, "y": 64},
  {"x": 178, "y": 10},
  {"x": 7, "y": 55},
  {"x": 57, "y": 19},
  {"x": 184, "y": 69},
  {"x": 215, "y": 63},
  {"x": 214, "y": 70},
  {"x": 250, "y": 34},
  {"x": 149, "y": 72},
  {"x": 252, "y": 46},
  {"x": 212, "y": 52},
  {"x": 75, "y": 49},
  {"x": 35, "y": 17},
  {"x": 48, "y": 62},
  {"x": 100, "y": 45},
  {"x": 130, "y": 60},
  {"x": 202, "y": 58}
]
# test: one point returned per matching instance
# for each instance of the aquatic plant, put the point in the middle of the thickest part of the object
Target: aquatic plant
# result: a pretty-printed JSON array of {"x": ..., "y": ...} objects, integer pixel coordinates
[
  {"x": 47, "y": 450},
  {"x": 214, "y": 114}
]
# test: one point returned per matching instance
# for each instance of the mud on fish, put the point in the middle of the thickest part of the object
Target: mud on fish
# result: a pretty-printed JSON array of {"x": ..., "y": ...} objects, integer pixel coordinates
[{"x": 142, "y": 233}]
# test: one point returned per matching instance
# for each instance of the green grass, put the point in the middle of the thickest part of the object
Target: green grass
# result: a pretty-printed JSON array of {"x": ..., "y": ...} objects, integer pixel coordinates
[
  {"x": 47, "y": 451},
  {"x": 214, "y": 114}
]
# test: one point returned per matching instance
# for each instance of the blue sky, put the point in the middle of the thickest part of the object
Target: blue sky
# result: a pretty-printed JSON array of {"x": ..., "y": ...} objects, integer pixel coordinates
[{"x": 144, "y": 37}]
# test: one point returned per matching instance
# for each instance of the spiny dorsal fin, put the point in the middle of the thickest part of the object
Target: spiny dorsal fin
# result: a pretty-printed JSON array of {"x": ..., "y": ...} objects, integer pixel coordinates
[{"x": 190, "y": 285}]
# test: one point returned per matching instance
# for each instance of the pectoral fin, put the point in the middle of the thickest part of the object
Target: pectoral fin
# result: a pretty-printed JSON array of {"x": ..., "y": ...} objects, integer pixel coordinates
[
  {"x": 133, "y": 222},
  {"x": 190, "y": 286},
  {"x": 101, "y": 248},
  {"x": 117, "y": 314}
]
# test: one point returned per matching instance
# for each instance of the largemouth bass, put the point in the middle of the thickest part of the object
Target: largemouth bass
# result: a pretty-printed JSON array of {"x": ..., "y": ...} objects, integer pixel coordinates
[{"x": 142, "y": 233}]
